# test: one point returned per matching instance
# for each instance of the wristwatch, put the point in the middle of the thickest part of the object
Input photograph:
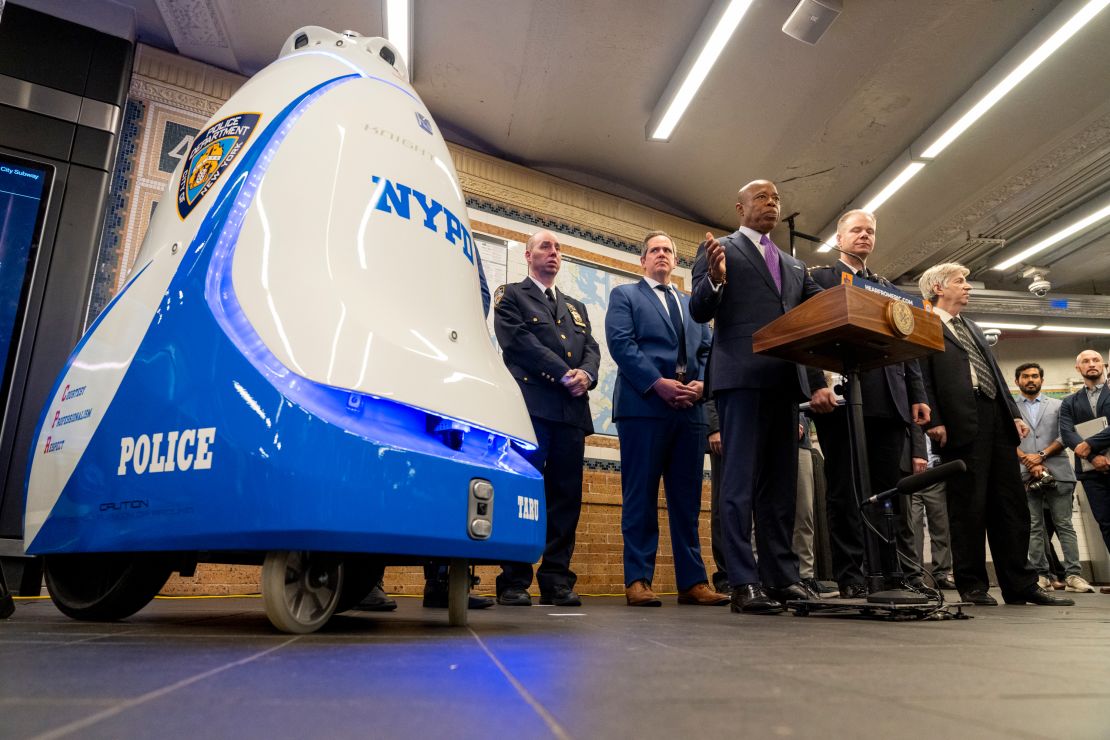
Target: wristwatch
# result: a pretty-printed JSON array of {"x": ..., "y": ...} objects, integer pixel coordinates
[{"x": 1042, "y": 454}]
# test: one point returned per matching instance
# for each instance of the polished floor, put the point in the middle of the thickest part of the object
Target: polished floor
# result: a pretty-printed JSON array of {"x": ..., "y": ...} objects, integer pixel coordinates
[{"x": 214, "y": 668}]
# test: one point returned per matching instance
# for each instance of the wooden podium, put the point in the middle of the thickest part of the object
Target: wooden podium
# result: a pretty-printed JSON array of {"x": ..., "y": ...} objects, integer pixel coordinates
[
  {"x": 848, "y": 330},
  {"x": 848, "y": 326}
]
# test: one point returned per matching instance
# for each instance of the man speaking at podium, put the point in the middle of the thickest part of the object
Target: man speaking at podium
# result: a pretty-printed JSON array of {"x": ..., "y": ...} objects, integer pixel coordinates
[{"x": 744, "y": 282}]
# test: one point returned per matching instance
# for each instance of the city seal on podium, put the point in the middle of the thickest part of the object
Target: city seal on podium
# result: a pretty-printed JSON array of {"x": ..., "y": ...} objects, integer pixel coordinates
[{"x": 900, "y": 318}]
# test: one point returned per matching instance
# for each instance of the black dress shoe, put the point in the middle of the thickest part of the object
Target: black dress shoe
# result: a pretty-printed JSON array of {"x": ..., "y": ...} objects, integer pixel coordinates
[
  {"x": 1040, "y": 597},
  {"x": 818, "y": 587},
  {"x": 376, "y": 601},
  {"x": 514, "y": 597},
  {"x": 946, "y": 583},
  {"x": 560, "y": 596},
  {"x": 794, "y": 592},
  {"x": 979, "y": 597},
  {"x": 853, "y": 591},
  {"x": 752, "y": 599}
]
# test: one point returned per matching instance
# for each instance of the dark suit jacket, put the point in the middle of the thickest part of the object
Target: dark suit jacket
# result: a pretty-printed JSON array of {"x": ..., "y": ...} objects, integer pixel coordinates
[
  {"x": 540, "y": 348},
  {"x": 712, "y": 421},
  {"x": 917, "y": 446},
  {"x": 747, "y": 303},
  {"x": 1075, "y": 409},
  {"x": 643, "y": 343},
  {"x": 903, "y": 384},
  {"x": 947, "y": 378}
]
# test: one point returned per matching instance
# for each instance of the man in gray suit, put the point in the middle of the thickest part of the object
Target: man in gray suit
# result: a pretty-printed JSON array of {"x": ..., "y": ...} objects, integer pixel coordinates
[{"x": 1048, "y": 477}]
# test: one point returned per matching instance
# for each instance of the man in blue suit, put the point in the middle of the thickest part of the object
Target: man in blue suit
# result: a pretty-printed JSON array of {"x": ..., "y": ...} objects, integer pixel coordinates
[
  {"x": 744, "y": 281},
  {"x": 660, "y": 353}
]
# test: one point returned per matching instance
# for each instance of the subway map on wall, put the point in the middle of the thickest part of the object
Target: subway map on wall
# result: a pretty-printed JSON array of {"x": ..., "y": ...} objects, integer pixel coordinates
[{"x": 592, "y": 285}]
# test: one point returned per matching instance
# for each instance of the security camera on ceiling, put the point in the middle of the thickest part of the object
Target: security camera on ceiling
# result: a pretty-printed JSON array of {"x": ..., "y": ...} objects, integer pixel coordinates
[
  {"x": 811, "y": 18},
  {"x": 992, "y": 334},
  {"x": 1038, "y": 280}
]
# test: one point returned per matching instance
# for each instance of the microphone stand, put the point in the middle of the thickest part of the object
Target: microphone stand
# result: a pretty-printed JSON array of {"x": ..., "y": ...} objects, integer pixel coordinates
[{"x": 795, "y": 233}]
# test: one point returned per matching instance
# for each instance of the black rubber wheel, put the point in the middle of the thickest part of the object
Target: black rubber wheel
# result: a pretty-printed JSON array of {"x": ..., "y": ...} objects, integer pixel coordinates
[
  {"x": 360, "y": 574},
  {"x": 301, "y": 589},
  {"x": 104, "y": 587}
]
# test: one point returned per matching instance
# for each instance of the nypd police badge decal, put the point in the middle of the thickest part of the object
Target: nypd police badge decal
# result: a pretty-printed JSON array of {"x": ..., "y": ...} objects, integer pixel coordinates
[{"x": 212, "y": 153}]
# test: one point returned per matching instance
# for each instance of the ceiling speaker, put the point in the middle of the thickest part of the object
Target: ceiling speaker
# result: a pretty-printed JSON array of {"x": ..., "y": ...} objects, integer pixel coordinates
[{"x": 811, "y": 19}]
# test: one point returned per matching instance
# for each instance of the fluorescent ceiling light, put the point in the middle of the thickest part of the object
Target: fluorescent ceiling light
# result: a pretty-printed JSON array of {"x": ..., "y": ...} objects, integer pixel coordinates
[
  {"x": 1008, "y": 83},
  {"x": 1057, "y": 39},
  {"x": 1074, "y": 329},
  {"x": 1001, "y": 325},
  {"x": 697, "y": 64},
  {"x": 398, "y": 29},
  {"x": 883, "y": 196},
  {"x": 895, "y": 185},
  {"x": 1056, "y": 238}
]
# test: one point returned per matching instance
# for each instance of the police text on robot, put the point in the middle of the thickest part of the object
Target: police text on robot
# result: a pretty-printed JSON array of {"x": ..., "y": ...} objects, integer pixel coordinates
[{"x": 166, "y": 452}]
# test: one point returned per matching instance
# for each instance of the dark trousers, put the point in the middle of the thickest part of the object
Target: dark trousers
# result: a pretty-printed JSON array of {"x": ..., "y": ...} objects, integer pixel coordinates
[
  {"x": 672, "y": 448},
  {"x": 559, "y": 455},
  {"x": 716, "y": 539},
  {"x": 989, "y": 498},
  {"x": 1097, "y": 488},
  {"x": 885, "y": 439},
  {"x": 759, "y": 429}
]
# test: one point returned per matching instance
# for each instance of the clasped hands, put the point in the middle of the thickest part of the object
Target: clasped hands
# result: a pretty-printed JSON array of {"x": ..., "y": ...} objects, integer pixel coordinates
[
  {"x": 678, "y": 395},
  {"x": 576, "y": 381},
  {"x": 1031, "y": 461},
  {"x": 1101, "y": 462}
]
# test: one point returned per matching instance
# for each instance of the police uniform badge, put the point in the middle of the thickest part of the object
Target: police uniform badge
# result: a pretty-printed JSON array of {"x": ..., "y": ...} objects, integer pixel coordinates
[
  {"x": 576, "y": 316},
  {"x": 498, "y": 295},
  {"x": 212, "y": 153}
]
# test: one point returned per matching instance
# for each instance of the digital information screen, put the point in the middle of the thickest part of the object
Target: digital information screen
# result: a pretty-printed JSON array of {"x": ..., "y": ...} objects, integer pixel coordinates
[{"x": 24, "y": 187}]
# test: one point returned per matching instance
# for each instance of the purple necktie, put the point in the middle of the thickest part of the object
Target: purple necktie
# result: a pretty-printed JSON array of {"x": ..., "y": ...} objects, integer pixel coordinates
[{"x": 771, "y": 255}]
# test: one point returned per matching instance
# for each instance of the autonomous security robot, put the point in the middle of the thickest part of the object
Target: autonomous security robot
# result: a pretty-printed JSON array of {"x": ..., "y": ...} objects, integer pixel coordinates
[{"x": 297, "y": 371}]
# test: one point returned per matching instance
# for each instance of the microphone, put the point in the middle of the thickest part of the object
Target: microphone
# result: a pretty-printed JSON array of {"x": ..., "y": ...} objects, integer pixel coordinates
[
  {"x": 914, "y": 483},
  {"x": 872, "y": 277}
]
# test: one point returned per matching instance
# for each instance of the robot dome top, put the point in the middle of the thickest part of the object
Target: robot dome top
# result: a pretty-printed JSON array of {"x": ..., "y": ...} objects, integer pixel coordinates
[{"x": 347, "y": 258}]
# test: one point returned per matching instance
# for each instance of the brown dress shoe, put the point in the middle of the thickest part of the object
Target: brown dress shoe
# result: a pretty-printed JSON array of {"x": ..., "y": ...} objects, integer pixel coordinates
[
  {"x": 639, "y": 593},
  {"x": 702, "y": 595}
]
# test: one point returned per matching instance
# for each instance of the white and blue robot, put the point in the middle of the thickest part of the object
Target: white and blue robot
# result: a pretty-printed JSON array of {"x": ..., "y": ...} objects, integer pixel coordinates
[{"x": 297, "y": 372}]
